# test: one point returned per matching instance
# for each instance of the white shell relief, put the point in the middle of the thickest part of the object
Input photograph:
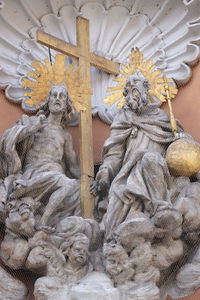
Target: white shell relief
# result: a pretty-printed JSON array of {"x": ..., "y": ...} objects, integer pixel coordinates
[{"x": 168, "y": 31}]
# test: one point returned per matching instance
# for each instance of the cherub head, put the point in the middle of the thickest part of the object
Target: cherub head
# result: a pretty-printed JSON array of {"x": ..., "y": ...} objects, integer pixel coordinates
[
  {"x": 75, "y": 249},
  {"x": 114, "y": 258},
  {"x": 117, "y": 263},
  {"x": 20, "y": 218}
]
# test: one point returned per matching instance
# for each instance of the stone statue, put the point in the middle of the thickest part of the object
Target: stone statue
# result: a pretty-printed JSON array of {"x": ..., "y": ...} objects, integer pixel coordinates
[
  {"x": 134, "y": 173},
  {"x": 149, "y": 234},
  {"x": 117, "y": 263},
  {"x": 41, "y": 151},
  {"x": 20, "y": 226},
  {"x": 40, "y": 200},
  {"x": 62, "y": 257},
  {"x": 148, "y": 209},
  {"x": 70, "y": 262}
]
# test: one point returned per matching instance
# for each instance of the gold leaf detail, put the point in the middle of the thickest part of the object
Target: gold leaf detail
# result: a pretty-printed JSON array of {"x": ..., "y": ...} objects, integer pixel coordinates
[
  {"x": 41, "y": 78},
  {"x": 149, "y": 71}
]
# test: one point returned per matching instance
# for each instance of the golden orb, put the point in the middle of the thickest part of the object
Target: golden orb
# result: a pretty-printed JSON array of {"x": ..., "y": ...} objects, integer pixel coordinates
[{"x": 183, "y": 157}]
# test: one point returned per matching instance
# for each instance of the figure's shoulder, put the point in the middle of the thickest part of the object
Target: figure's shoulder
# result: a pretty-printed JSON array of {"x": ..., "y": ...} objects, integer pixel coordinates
[
  {"x": 28, "y": 120},
  {"x": 123, "y": 119},
  {"x": 120, "y": 114}
]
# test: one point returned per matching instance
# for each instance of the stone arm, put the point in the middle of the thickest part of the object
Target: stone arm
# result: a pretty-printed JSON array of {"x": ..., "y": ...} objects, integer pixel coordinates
[
  {"x": 70, "y": 157},
  {"x": 29, "y": 125},
  {"x": 18, "y": 135}
]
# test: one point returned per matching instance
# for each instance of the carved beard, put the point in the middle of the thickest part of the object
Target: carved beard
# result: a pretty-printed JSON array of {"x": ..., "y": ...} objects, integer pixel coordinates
[{"x": 137, "y": 103}]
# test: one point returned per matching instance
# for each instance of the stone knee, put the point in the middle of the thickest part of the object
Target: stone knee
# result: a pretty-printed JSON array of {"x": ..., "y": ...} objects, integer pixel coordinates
[
  {"x": 156, "y": 164},
  {"x": 152, "y": 159}
]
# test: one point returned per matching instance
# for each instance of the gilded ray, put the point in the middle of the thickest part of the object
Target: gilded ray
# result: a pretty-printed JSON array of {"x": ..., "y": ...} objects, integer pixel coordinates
[
  {"x": 40, "y": 80},
  {"x": 149, "y": 71}
]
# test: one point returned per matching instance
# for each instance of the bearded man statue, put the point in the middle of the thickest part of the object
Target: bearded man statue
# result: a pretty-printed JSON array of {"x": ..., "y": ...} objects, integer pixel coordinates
[{"x": 134, "y": 175}]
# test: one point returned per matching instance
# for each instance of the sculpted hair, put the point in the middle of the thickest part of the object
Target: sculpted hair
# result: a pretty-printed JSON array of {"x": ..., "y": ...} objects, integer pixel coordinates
[
  {"x": 74, "y": 238},
  {"x": 112, "y": 249},
  {"x": 44, "y": 107}
]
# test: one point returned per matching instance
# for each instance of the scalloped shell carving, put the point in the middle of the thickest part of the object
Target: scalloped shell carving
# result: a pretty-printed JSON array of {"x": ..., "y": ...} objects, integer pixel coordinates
[{"x": 168, "y": 31}]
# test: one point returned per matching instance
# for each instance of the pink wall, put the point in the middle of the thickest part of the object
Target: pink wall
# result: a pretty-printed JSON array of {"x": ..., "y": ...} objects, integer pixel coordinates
[{"x": 186, "y": 105}]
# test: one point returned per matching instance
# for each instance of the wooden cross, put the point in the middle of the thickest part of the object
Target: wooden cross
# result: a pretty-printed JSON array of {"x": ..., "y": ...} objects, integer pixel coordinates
[{"x": 85, "y": 60}]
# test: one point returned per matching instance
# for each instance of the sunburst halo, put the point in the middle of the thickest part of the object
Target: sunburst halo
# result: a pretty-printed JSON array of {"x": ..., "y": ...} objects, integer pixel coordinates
[
  {"x": 40, "y": 82},
  {"x": 149, "y": 71}
]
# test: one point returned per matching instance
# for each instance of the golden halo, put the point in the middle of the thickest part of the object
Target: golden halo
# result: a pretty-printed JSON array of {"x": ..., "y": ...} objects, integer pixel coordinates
[
  {"x": 154, "y": 77},
  {"x": 41, "y": 78}
]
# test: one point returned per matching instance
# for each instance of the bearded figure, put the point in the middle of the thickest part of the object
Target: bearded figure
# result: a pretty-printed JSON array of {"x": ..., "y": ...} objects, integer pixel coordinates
[{"x": 134, "y": 175}]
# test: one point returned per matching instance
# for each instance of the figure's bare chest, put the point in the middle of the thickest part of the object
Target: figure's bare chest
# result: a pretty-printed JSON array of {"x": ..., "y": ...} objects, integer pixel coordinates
[
  {"x": 49, "y": 134},
  {"x": 48, "y": 143}
]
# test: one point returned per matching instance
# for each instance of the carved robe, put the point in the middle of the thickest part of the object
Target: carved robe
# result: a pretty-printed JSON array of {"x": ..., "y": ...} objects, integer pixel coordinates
[
  {"x": 39, "y": 179},
  {"x": 134, "y": 154}
]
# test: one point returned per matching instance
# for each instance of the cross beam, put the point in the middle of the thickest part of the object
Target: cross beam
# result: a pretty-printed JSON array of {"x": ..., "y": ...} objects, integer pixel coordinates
[
  {"x": 85, "y": 59},
  {"x": 97, "y": 61}
]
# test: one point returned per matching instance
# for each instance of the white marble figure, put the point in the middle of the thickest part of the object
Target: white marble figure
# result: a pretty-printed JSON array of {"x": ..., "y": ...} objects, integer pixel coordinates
[
  {"x": 41, "y": 149},
  {"x": 134, "y": 171}
]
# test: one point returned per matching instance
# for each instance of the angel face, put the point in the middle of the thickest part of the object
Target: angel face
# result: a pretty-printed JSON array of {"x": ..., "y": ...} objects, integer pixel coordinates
[
  {"x": 20, "y": 218},
  {"x": 76, "y": 249},
  {"x": 78, "y": 252},
  {"x": 114, "y": 259},
  {"x": 113, "y": 264},
  {"x": 59, "y": 100}
]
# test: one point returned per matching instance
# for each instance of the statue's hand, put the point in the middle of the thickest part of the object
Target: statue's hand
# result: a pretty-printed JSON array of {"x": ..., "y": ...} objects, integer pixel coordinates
[
  {"x": 103, "y": 181},
  {"x": 34, "y": 123},
  {"x": 40, "y": 121},
  {"x": 180, "y": 135}
]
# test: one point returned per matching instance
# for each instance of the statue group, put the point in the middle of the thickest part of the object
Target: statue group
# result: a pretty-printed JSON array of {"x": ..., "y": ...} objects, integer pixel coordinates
[{"x": 144, "y": 239}]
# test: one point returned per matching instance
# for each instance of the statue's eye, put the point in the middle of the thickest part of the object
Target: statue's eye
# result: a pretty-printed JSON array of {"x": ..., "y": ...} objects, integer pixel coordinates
[
  {"x": 146, "y": 85},
  {"x": 62, "y": 95}
]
